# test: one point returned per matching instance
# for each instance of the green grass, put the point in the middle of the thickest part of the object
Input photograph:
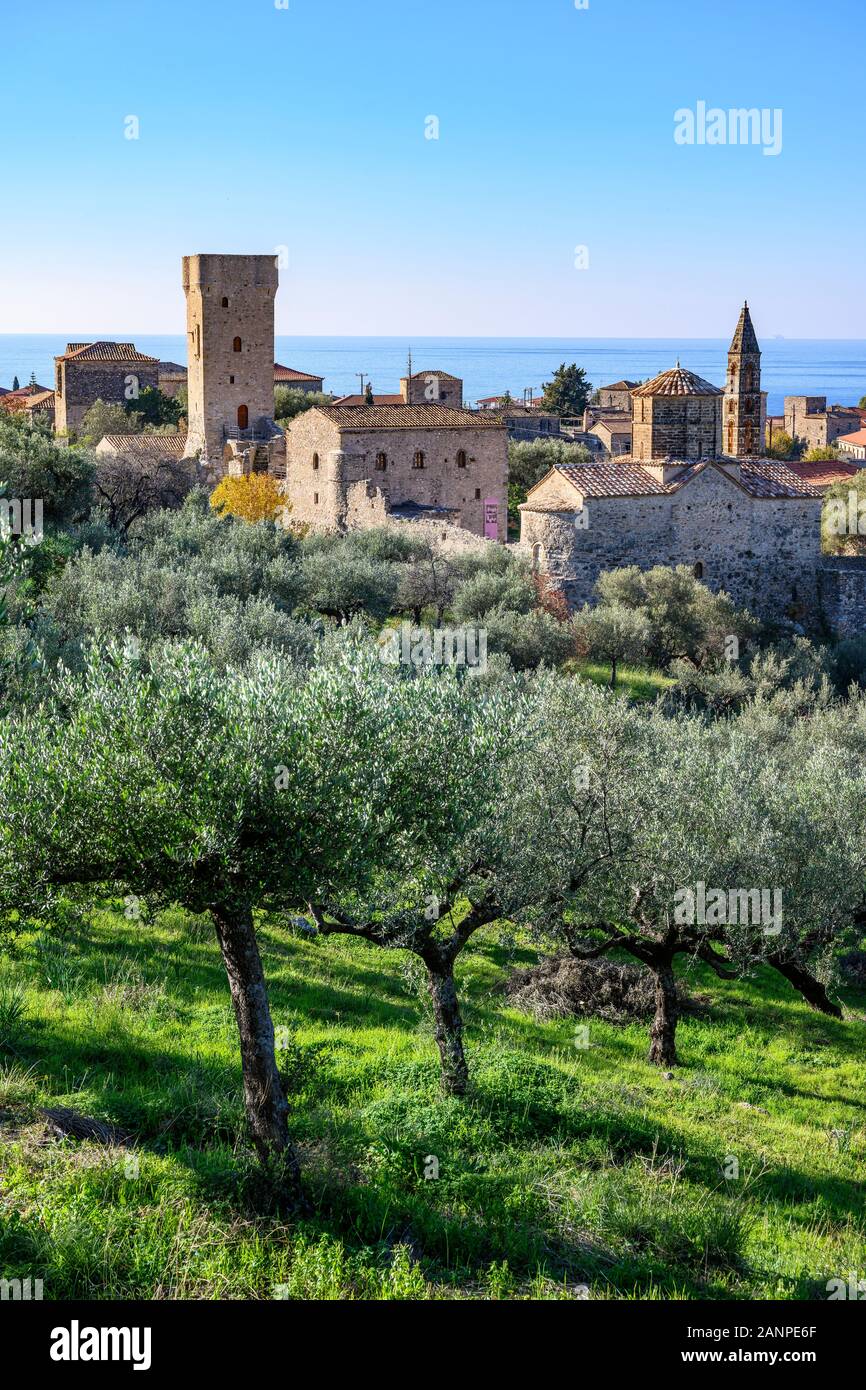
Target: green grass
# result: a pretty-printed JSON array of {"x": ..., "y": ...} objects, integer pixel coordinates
[
  {"x": 639, "y": 682},
  {"x": 565, "y": 1166}
]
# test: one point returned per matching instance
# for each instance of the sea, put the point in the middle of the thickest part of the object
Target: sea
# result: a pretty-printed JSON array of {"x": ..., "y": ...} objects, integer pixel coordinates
[{"x": 835, "y": 368}]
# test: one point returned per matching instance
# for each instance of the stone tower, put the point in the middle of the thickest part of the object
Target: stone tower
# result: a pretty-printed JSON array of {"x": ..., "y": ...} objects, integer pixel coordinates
[
  {"x": 745, "y": 413},
  {"x": 676, "y": 415},
  {"x": 230, "y": 345}
]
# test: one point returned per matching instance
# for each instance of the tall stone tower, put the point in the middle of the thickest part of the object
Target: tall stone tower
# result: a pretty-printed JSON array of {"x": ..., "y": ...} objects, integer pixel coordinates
[
  {"x": 745, "y": 411},
  {"x": 230, "y": 344}
]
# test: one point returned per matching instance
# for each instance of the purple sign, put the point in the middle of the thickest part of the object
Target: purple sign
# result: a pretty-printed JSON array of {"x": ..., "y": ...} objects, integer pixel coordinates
[{"x": 491, "y": 519}]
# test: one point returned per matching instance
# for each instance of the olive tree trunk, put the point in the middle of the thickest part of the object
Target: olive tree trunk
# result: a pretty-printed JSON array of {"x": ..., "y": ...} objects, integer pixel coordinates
[
  {"x": 264, "y": 1095},
  {"x": 664, "y": 1025},
  {"x": 448, "y": 1024},
  {"x": 811, "y": 988}
]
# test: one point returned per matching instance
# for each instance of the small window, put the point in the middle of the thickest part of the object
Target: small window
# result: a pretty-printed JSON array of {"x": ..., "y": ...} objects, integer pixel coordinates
[
  {"x": 316, "y": 498},
  {"x": 236, "y": 345},
  {"x": 461, "y": 458},
  {"x": 381, "y": 462},
  {"x": 231, "y": 381},
  {"x": 418, "y": 461},
  {"x": 225, "y": 302},
  {"x": 478, "y": 494},
  {"x": 315, "y": 460},
  {"x": 698, "y": 570}
]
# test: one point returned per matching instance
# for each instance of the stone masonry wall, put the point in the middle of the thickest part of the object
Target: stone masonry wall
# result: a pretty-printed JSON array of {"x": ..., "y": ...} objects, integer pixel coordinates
[
  {"x": 764, "y": 553},
  {"x": 78, "y": 385}
]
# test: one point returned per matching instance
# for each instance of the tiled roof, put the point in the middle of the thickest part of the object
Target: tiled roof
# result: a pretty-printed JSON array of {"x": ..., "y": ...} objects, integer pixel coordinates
[
  {"x": 282, "y": 373},
  {"x": 619, "y": 386},
  {"x": 105, "y": 352},
  {"x": 39, "y": 399},
  {"x": 407, "y": 417},
  {"x": 172, "y": 369},
  {"x": 677, "y": 382},
  {"x": 823, "y": 474},
  {"x": 760, "y": 478},
  {"x": 858, "y": 437},
  {"x": 745, "y": 338},
  {"x": 433, "y": 371},
  {"x": 612, "y": 480},
  {"x": 147, "y": 445}
]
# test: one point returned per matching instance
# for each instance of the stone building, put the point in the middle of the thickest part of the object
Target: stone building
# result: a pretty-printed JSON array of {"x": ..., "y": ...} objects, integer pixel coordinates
[
  {"x": 295, "y": 380},
  {"x": 432, "y": 388},
  {"x": 614, "y": 435},
  {"x": 617, "y": 396},
  {"x": 750, "y": 528},
  {"x": 852, "y": 446},
  {"x": 358, "y": 466},
  {"x": 172, "y": 378},
  {"x": 745, "y": 406},
  {"x": 230, "y": 349},
  {"x": 102, "y": 371},
  {"x": 151, "y": 446},
  {"x": 677, "y": 415},
  {"x": 810, "y": 422},
  {"x": 31, "y": 401}
]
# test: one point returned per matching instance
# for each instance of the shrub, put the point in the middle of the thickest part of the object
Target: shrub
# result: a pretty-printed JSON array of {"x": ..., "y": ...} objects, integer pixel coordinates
[{"x": 252, "y": 497}]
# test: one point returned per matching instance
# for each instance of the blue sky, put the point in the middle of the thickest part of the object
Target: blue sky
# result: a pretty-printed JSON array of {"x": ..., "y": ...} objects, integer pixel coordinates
[{"x": 305, "y": 127}]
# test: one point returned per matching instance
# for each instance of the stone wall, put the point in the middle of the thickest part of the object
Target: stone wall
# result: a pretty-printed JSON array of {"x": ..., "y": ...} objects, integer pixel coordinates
[
  {"x": 230, "y": 347},
  {"x": 79, "y": 385},
  {"x": 318, "y": 486},
  {"x": 842, "y": 594},
  {"x": 677, "y": 426},
  {"x": 764, "y": 553}
]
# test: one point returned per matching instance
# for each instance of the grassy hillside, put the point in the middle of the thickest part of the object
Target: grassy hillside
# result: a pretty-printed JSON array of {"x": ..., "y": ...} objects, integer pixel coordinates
[{"x": 567, "y": 1166}]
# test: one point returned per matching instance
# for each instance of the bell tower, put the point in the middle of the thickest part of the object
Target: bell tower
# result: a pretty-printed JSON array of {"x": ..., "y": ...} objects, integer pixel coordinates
[{"x": 744, "y": 416}]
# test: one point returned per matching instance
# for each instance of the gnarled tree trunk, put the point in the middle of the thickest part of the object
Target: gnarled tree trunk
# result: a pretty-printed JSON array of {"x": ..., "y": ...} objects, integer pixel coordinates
[
  {"x": 264, "y": 1095},
  {"x": 811, "y": 988},
  {"x": 664, "y": 1025},
  {"x": 448, "y": 1023}
]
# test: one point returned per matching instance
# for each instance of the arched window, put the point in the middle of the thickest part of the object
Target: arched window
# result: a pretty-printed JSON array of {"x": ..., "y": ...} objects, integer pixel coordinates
[
  {"x": 315, "y": 460},
  {"x": 537, "y": 556},
  {"x": 461, "y": 458},
  {"x": 236, "y": 345},
  {"x": 225, "y": 302},
  {"x": 381, "y": 462},
  {"x": 749, "y": 378},
  {"x": 418, "y": 461},
  {"x": 698, "y": 570},
  {"x": 243, "y": 417}
]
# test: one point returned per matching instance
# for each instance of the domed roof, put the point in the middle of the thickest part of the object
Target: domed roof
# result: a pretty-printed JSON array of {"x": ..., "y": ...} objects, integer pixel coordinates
[{"x": 678, "y": 382}]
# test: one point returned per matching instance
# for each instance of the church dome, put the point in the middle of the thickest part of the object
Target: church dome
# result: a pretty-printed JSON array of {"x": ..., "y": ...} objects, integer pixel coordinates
[{"x": 677, "y": 382}]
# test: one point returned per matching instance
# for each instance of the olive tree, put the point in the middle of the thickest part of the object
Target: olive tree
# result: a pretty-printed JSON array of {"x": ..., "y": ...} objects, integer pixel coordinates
[
  {"x": 669, "y": 836},
  {"x": 234, "y": 792}
]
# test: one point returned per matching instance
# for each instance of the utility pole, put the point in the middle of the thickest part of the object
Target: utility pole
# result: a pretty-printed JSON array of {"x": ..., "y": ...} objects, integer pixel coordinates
[{"x": 361, "y": 375}]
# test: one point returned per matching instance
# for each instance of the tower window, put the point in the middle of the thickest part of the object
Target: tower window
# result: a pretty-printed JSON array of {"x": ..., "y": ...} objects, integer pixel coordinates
[
  {"x": 236, "y": 345},
  {"x": 243, "y": 417},
  {"x": 461, "y": 458},
  {"x": 315, "y": 460},
  {"x": 225, "y": 302},
  {"x": 478, "y": 494},
  {"x": 316, "y": 498},
  {"x": 418, "y": 461},
  {"x": 381, "y": 462},
  {"x": 698, "y": 570}
]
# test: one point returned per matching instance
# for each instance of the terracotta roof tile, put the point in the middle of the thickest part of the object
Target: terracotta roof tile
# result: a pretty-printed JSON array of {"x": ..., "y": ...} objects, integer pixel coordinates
[
  {"x": 103, "y": 351},
  {"x": 407, "y": 417},
  {"x": 282, "y": 373},
  {"x": 677, "y": 382},
  {"x": 823, "y": 474},
  {"x": 147, "y": 445}
]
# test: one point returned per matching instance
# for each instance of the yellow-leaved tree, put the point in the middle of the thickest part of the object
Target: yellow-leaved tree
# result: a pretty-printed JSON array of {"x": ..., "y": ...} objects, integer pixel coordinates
[{"x": 252, "y": 497}]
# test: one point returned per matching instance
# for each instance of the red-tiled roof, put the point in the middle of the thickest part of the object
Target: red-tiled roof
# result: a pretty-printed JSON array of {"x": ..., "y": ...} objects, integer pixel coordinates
[
  {"x": 677, "y": 382},
  {"x": 407, "y": 417},
  {"x": 822, "y": 474},
  {"x": 759, "y": 478},
  {"x": 282, "y": 373},
  {"x": 619, "y": 386},
  {"x": 858, "y": 437},
  {"x": 147, "y": 445},
  {"x": 105, "y": 352}
]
